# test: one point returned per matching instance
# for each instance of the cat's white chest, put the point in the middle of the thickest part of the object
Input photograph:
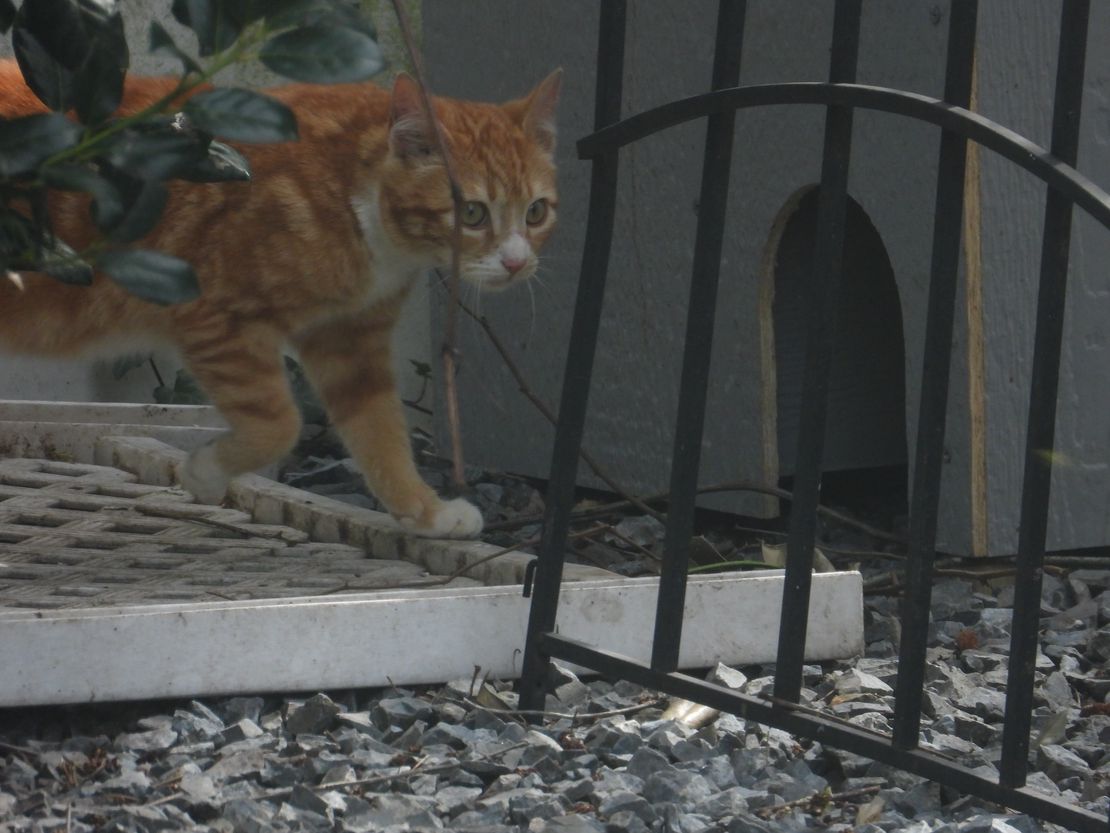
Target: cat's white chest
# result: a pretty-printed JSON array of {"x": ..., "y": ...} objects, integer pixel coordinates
[{"x": 394, "y": 271}]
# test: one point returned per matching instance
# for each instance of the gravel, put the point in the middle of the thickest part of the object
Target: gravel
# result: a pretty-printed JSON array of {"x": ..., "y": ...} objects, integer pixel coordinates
[
  {"x": 608, "y": 757},
  {"x": 431, "y": 759}
]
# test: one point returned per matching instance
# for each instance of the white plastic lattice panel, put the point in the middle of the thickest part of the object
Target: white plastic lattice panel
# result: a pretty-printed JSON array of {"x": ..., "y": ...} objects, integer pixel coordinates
[
  {"x": 115, "y": 585},
  {"x": 79, "y": 535}
]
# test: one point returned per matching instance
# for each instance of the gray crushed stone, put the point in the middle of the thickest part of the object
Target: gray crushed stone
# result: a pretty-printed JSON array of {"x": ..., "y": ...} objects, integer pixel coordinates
[
  {"x": 606, "y": 759},
  {"x": 432, "y": 759}
]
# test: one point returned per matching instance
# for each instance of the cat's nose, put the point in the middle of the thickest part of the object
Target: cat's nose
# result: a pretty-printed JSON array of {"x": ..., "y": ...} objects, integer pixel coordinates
[{"x": 513, "y": 264}]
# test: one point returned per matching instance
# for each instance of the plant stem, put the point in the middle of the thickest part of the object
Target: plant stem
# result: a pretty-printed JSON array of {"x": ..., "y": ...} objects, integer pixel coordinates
[
  {"x": 450, "y": 351},
  {"x": 188, "y": 82}
]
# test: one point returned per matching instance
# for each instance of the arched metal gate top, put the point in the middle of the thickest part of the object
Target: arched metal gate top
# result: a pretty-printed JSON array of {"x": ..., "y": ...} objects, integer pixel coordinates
[{"x": 840, "y": 95}]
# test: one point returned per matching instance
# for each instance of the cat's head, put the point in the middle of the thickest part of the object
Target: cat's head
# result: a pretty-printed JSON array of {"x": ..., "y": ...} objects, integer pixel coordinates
[{"x": 503, "y": 159}]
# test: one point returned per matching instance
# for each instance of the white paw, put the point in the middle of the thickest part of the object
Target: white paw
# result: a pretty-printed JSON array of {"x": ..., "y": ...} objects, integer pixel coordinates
[
  {"x": 455, "y": 519},
  {"x": 203, "y": 476}
]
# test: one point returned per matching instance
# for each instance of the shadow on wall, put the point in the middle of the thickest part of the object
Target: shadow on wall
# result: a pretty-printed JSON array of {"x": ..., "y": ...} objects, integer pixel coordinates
[{"x": 865, "y": 435}]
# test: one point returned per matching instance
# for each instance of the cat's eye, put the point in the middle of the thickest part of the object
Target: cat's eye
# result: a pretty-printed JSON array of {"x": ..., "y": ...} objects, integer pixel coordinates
[
  {"x": 474, "y": 214},
  {"x": 536, "y": 213}
]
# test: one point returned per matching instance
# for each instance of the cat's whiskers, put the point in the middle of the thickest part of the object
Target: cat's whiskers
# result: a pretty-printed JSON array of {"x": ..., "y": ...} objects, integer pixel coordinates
[{"x": 542, "y": 284}]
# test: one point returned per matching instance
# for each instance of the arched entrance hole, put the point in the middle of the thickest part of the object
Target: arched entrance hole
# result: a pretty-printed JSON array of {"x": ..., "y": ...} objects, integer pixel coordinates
[{"x": 865, "y": 437}]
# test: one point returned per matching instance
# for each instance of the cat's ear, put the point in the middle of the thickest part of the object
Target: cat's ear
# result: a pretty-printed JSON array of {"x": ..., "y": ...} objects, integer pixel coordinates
[
  {"x": 539, "y": 109},
  {"x": 411, "y": 136}
]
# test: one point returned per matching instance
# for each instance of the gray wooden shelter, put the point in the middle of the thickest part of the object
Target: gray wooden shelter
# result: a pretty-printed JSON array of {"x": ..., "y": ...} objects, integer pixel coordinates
[{"x": 500, "y": 48}]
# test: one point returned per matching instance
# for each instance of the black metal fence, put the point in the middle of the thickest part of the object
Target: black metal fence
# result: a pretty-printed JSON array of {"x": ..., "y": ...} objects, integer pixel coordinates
[{"x": 840, "y": 97}]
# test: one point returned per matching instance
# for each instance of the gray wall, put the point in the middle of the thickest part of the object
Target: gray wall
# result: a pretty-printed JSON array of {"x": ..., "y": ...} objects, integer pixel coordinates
[
  {"x": 497, "y": 49},
  {"x": 1017, "y": 69}
]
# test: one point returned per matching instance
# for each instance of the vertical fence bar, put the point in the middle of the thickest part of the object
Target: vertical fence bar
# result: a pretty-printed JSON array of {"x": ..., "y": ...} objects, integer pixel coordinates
[
  {"x": 932, "y": 412},
  {"x": 686, "y": 457},
  {"x": 580, "y": 358},
  {"x": 824, "y": 284},
  {"x": 1045, "y": 375}
]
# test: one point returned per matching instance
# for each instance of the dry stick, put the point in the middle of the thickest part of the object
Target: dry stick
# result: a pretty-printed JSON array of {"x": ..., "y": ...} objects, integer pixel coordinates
[
  {"x": 575, "y": 717},
  {"x": 733, "y": 486},
  {"x": 450, "y": 352},
  {"x": 627, "y": 499},
  {"x": 174, "y": 513},
  {"x": 822, "y": 796},
  {"x": 549, "y": 415}
]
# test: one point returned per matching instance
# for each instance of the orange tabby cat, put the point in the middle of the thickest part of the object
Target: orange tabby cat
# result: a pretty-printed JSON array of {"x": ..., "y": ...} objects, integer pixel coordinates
[{"x": 318, "y": 251}]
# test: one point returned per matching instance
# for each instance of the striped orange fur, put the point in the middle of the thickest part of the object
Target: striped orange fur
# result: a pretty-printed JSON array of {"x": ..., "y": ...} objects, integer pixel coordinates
[{"x": 317, "y": 252}]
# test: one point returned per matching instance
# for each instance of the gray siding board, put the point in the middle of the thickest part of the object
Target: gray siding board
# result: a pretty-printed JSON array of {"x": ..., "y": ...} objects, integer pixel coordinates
[{"x": 499, "y": 48}]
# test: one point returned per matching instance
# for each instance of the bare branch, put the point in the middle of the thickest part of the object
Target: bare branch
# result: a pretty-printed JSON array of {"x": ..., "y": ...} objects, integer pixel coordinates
[{"x": 450, "y": 351}]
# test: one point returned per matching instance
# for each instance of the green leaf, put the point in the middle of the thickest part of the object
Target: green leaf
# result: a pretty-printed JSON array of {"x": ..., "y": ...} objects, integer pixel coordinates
[
  {"x": 160, "y": 154},
  {"x": 63, "y": 44},
  {"x": 323, "y": 54},
  {"x": 98, "y": 82},
  {"x": 62, "y": 263},
  {"x": 28, "y": 141},
  {"x": 107, "y": 205},
  {"x": 7, "y": 15},
  {"x": 222, "y": 164},
  {"x": 162, "y": 43},
  {"x": 286, "y": 14},
  {"x": 308, "y": 403},
  {"x": 185, "y": 391},
  {"x": 18, "y": 239},
  {"x": 242, "y": 115},
  {"x": 29, "y": 246},
  {"x": 46, "y": 77},
  {"x": 98, "y": 86},
  {"x": 152, "y": 276},
  {"x": 143, "y": 201},
  {"x": 216, "y": 23}
]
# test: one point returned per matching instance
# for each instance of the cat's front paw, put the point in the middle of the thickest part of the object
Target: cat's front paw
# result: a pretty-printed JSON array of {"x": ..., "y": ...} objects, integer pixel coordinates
[
  {"x": 203, "y": 476},
  {"x": 456, "y": 518}
]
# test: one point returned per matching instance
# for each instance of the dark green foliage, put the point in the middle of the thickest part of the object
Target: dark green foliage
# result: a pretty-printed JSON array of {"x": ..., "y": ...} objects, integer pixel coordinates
[
  {"x": 242, "y": 115},
  {"x": 222, "y": 164},
  {"x": 308, "y": 403},
  {"x": 74, "y": 56},
  {"x": 143, "y": 201},
  {"x": 162, "y": 43},
  {"x": 7, "y": 15},
  {"x": 26, "y": 143},
  {"x": 323, "y": 54},
  {"x": 185, "y": 391},
  {"x": 153, "y": 276}
]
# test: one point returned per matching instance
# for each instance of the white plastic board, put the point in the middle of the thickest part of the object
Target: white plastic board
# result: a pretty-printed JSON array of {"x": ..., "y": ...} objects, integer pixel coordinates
[{"x": 395, "y": 637}]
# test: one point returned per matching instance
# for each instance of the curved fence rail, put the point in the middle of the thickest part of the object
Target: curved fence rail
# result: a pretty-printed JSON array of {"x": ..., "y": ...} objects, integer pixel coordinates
[
  {"x": 840, "y": 96},
  {"x": 970, "y": 125}
]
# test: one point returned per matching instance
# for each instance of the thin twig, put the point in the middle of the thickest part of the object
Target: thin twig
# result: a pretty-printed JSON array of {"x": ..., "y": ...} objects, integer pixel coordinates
[
  {"x": 572, "y": 716},
  {"x": 823, "y": 796},
  {"x": 173, "y": 513},
  {"x": 732, "y": 486},
  {"x": 22, "y": 750},
  {"x": 549, "y": 415},
  {"x": 450, "y": 342},
  {"x": 616, "y": 533}
]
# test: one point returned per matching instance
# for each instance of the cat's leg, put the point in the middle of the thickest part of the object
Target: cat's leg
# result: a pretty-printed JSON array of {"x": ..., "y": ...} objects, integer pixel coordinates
[
  {"x": 348, "y": 362},
  {"x": 242, "y": 371}
]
